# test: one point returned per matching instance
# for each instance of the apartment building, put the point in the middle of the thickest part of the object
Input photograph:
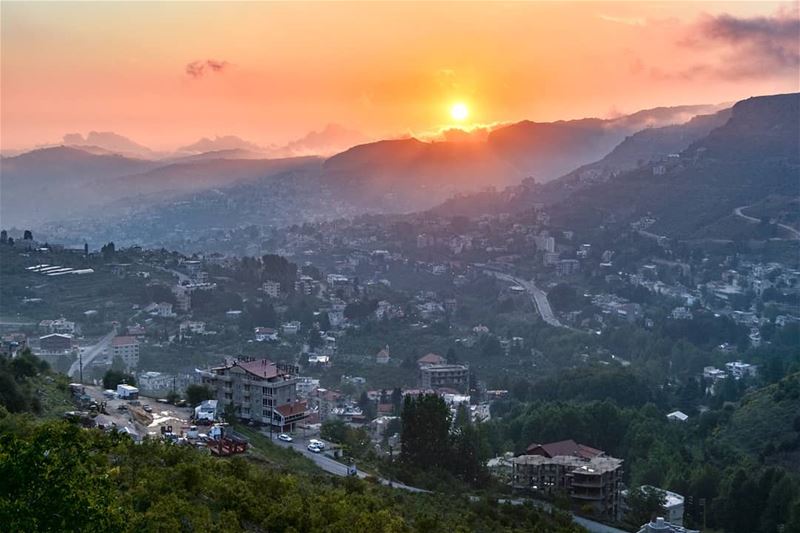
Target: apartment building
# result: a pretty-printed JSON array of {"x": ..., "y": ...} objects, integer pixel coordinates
[
  {"x": 259, "y": 390},
  {"x": 126, "y": 348},
  {"x": 444, "y": 376},
  {"x": 592, "y": 480}
]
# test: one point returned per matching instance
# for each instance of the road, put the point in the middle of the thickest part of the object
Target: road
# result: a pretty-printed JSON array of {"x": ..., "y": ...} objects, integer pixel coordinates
[
  {"x": 538, "y": 296},
  {"x": 753, "y": 220},
  {"x": 333, "y": 466},
  {"x": 90, "y": 352}
]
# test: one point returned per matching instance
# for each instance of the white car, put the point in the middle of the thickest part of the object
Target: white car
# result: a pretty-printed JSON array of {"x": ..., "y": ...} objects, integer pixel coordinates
[
  {"x": 318, "y": 443},
  {"x": 284, "y": 437},
  {"x": 314, "y": 448}
]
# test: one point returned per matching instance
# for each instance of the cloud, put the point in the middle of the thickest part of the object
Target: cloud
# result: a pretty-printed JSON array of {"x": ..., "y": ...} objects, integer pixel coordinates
[
  {"x": 198, "y": 69},
  {"x": 751, "y": 47}
]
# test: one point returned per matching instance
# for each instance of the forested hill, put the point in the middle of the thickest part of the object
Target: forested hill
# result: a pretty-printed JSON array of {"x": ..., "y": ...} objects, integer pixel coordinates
[
  {"x": 56, "y": 476},
  {"x": 750, "y": 157}
]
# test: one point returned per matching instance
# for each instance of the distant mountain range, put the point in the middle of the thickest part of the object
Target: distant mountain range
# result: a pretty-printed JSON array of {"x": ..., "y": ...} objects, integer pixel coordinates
[
  {"x": 755, "y": 154},
  {"x": 542, "y": 163}
]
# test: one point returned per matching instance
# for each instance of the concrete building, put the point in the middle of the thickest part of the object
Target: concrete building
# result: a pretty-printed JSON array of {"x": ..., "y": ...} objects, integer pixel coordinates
[
  {"x": 55, "y": 343},
  {"x": 259, "y": 390},
  {"x": 444, "y": 376},
  {"x": 592, "y": 480},
  {"x": 272, "y": 288},
  {"x": 126, "y": 348}
]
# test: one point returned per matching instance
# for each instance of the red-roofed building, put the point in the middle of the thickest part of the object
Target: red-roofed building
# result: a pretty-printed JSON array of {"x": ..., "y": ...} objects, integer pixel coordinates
[
  {"x": 260, "y": 390},
  {"x": 126, "y": 347},
  {"x": 431, "y": 359},
  {"x": 563, "y": 447}
]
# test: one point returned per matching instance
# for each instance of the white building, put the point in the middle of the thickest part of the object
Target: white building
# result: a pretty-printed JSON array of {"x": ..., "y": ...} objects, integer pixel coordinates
[{"x": 266, "y": 334}]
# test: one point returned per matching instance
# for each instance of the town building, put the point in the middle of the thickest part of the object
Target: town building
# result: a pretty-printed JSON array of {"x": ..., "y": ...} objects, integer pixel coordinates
[
  {"x": 259, "y": 391},
  {"x": 55, "y": 343},
  {"x": 59, "y": 325},
  {"x": 266, "y": 335},
  {"x": 126, "y": 348},
  {"x": 738, "y": 369},
  {"x": 272, "y": 288},
  {"x": 382, "y": 356},
  {"x": 444, "y": 376},
  {"x": 592, "y": 480}
]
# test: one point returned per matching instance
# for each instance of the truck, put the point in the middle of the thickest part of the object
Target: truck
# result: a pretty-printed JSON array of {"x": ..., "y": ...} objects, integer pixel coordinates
[{"x": 127, "y": 392}]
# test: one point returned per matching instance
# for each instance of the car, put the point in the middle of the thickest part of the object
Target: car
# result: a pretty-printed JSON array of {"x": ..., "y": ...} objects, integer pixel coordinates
[
  {"x": 148, "y": 409},
  {"x": 284, "y": 437},
  {"x": 318, "y": 443},
  {"x": 314, "y": 448},
  {"x": 122, "y": 407}
]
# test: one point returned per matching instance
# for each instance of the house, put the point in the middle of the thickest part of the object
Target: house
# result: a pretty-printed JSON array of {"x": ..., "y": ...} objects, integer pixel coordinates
[
  {"x": 739, "y": 370},
  {"x": 678, "y": 416},
  {"x": 592, "y": 480},
  {"x": 126, "y": 348},
  {"x": 13, "y": 343},
  {"x": 164, "y": 310},
  {"x": 192, "y": 327},
  {"x": 431, "y": 359},
  {"x": 266, "y": 334},
  {"x": 59, "y": 325},
  {"x": 291, "y": 328},
  {"x": 260, "y": 391},
  {"x": 382, "y": 357}
]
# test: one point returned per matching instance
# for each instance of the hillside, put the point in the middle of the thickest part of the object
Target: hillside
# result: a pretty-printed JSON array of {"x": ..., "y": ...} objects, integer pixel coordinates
[
  {"x": 752, "y": 156},
  {"x": 768, "y": 423},
  {"x": 66, "y": 478}
]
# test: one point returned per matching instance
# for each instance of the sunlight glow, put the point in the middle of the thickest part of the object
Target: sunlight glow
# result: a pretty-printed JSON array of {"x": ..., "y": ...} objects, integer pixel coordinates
[{"x": 459, "y": 111}]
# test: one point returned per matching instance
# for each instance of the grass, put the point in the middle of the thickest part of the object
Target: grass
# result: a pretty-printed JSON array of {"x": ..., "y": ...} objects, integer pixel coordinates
[{"x": 277, "y": 456}]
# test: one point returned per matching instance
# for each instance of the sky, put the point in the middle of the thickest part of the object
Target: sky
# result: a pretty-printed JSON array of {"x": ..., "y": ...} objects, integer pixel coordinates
[{"x": 166, "y": 74}]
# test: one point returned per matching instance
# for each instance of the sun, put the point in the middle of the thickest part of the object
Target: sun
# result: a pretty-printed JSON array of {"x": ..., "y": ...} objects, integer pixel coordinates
[{"x": 459, "y": 111}]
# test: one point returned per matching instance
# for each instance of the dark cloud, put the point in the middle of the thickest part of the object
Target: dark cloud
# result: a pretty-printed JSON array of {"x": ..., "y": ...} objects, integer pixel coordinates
[
  {"x": 197, "y": 69},
  {"x": 752, "y": 47}
]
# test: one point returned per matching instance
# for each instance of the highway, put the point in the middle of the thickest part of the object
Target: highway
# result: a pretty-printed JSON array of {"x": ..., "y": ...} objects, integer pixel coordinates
[
  {"x": 538, "y": 296},
  {"x": 90, "y": 352}
]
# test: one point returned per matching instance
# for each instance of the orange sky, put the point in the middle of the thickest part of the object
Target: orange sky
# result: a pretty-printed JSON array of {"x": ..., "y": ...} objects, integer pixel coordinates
[{"x": 385, "y": 69}]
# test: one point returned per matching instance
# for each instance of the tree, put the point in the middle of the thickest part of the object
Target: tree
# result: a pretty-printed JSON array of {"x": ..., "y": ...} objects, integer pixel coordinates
[
  {"x": 27, "y": 235},
  {"x": 425, "y": 431},
  {"x": 112, "y": 378},
  {"x": 195, "y": 394},
  {"x": 645, "y": 503},
  {"x": 3, "y": 237}
]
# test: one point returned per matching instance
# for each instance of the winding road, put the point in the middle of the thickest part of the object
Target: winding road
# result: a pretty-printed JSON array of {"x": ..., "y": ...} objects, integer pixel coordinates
[
  {"x": 538, "y": 296},
  {"x": 753, "y": 220}
]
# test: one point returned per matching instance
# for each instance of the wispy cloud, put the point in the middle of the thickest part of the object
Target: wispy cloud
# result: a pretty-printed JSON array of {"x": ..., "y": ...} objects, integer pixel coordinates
[
  {"x": 750, "y": 47},
  {"x": 198, "y": 69}
]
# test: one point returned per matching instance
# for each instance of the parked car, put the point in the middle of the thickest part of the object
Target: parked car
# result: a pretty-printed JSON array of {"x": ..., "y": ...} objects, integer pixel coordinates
[
  {"x": 284, "y": 437},
  {"x": 314, "y": 448},
  {"x": 318, "y": 443},
  {"x": 148, "y": 409}
]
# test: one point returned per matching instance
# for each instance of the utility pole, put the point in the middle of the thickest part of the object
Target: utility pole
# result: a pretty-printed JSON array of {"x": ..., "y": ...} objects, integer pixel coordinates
[{"x": 80, "y": 364}]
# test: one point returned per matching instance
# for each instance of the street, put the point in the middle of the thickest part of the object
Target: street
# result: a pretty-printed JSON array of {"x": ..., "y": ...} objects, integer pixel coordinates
[
  {"x": 90, "y": 352},
  {"x": 538, "y": 296}
]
